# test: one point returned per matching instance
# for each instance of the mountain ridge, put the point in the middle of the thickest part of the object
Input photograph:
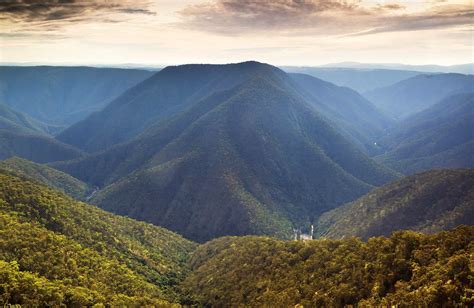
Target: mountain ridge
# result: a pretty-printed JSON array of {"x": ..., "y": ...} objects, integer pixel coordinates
[{"x": 245, "y": 144}]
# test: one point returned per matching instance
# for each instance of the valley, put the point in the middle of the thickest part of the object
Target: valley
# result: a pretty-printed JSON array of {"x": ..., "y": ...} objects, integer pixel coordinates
[{"x": 185, "y": 187}]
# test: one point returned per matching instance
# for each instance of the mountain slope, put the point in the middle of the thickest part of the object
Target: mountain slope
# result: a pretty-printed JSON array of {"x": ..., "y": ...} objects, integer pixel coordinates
[
  {"x": 353, "y": 115},
  {"x": 63, "y": 95},
  {"x": 440, "y": 136},
  {"x": 254, "y": 159},
  {"x": 415, "y": 94},
  {"x": 406, "y": 270},
  {"x": 167, "y": 93},
  {"x": 82, "y": 255},
  {"x": 360, "y": 79},
  {"x": 48, "y": 176},
  {"x": 14, "y": 120},
  {"x": 34, "y": 146},
  {"x": 427, "y": 202}
]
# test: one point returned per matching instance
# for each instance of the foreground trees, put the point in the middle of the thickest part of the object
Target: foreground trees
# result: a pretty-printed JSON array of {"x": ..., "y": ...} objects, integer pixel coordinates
[{"x": 406, "y": 269}]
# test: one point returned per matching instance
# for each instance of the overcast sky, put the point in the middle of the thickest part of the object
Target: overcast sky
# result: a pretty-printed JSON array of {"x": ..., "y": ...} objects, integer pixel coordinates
[{"x": 280, "y": 32}]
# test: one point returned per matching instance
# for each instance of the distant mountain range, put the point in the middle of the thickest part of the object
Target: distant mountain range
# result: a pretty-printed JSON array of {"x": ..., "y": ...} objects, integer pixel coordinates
[
  {"x": 63, "y": 95},
  {"x": 415, "y": 94},
  {"x": 428, "y": 202},
  {"x": 258, "y": 156},
  {"x": 359, "y": 79},
  {"x": 467, "y": 68},
  {"x": 440, "y": 136}
]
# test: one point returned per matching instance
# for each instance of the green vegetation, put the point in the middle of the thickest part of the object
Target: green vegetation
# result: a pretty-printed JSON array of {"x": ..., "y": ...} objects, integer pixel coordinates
[
  {"x": 255, "y": 159},
  {"x": 73, "y": 253},
  {"x": 407, "y": 269},
  {"x": 427, "y": 202},
  {"x": 58, "y": 251},
  {"x": 48, "y": 176},
  {"x": 438, "y": 137}
]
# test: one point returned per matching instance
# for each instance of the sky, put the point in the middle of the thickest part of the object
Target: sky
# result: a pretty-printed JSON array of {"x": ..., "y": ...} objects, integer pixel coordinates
[{"x": 280, "y": 32}]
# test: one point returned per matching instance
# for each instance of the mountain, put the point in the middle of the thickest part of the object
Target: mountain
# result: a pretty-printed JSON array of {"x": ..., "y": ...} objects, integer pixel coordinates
[
  {"x": 360, "y": 79},
  {"x": 176, "y": 88},
  {"x": 415, "y": 94},
  {"x": 407, "y": 269},
  {"x": 16, "y": 121},
  {"x": 45, "y": 175},
  {"x": 167, "y": 93},
  {"x": 353, "y": 115},
  {"x": 255, "y": 159},
  {"x": 34, "y": 146},
  {"x": 441, "y": 136},
  {"x": 427, "y": 202},
  {"x": 57, "y": 251},
  {"x": 63, "y": 95},
  {"x": 22, "y": 136},
  {"x": 467, "y": 68}
]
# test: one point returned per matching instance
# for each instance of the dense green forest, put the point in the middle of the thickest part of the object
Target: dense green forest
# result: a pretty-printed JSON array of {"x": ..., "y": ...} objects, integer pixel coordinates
[
  {"x": 407, "y": 269},
  {"x": 45, "y": 175},
  {"x": 59, "y": 251},
  {"x": 428, "y": 202}
]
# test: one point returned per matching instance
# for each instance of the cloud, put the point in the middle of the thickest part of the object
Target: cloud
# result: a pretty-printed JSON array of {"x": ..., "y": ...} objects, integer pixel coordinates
[
  {"x": 447, "y": 17},
  {"x": 66, "y": 10},
  {"x": 313, "y": 17},
  {"x": 234, "y": 16}
]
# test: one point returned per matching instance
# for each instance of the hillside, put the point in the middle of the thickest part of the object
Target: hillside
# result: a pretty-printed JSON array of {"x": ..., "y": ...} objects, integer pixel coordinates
[
  {"x": 35, "y": 147},
  {"x": 56, "y": 250},
  {"x": 426, "y": 202},
  {"x": 441, "y": 136},
  {"x": 255, "y": 159},
  {"x": 45, "y": 175},
  {"x": 406, "y": 270},
  {"x": 63, "y": 95},
  {"x": 16, "y": 121},
  {"x": 354, "y": 116},
  {"x": 360, "y": 79},
  {"x": 415, "y": 94}
]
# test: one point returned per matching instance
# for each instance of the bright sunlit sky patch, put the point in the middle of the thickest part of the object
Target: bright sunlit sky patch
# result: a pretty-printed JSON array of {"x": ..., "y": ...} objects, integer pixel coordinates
[{"x": 281, "y": 32}]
